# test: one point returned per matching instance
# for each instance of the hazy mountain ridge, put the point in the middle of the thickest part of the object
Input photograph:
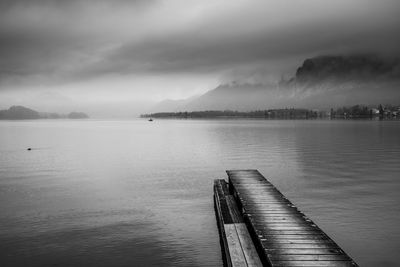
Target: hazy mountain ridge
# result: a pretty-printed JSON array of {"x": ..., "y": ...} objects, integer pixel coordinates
[
  {"x": 237, "y": 96},
  {"x": 23, "y": 113},
  {"x": 320, "y": 82},
  {"x": 19, "y": 113}
]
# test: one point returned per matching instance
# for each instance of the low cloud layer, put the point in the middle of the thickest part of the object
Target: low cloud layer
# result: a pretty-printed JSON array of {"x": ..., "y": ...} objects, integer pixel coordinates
[{"x": 50, "y": 44}]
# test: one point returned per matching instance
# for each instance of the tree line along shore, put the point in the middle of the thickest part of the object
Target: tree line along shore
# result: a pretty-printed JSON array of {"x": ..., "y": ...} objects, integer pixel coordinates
[{"x": 353, "y": 112}]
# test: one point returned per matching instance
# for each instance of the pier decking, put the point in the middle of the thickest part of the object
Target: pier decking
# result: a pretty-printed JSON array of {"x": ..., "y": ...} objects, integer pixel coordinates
[{"x": 270, "y": 224}]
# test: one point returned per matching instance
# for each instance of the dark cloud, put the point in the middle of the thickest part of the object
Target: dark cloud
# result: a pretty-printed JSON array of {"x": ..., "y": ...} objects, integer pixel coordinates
[
  {"x": 63, "y": 3},
  {"x": 206, "y": 51},
  {"x": 64, "y": 41}
]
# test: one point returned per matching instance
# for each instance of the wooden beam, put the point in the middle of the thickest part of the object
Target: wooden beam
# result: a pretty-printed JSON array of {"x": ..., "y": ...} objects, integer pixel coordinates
[{"x": 238, "y": 248}]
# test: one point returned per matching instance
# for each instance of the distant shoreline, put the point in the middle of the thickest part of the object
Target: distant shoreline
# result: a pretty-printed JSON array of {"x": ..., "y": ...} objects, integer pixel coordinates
[
  {"x": 354, "y": 112},
  {"x": 276, "y": 119}
]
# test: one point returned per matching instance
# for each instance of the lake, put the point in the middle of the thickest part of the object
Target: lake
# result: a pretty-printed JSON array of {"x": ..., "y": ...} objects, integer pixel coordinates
[{"x": 139, "y": 193}]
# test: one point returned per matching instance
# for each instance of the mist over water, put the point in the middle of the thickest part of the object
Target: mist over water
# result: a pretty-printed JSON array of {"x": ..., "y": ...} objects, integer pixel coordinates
[{"x": 135, "y": 193}]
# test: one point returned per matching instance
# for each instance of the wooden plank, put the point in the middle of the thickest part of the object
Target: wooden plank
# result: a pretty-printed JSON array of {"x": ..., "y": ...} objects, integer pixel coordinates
[
  {"x": 291, "y": 237},
  {"x": 237, "y": 256},
  {"x": 266, "y": 201},
  {"x": 283, "y": 209},
  {"x": 276, "y": 219},
  {"x": 248, "y": 248},
  {"x": 272, "y": 241},
  {"x": 267, "y": 212},
  {"x": 263, "y": 224},
  {"x": 282, "y": 227},
  {"x": 221, "y": 201},
  {"x": 304, "y": 251},
  {"x": 269, "y": 204},
  {"x": 256, "y": 222},
  {"x": 220, "y": 223},
  {"x": 340, "y": 257},
  {"x": 290, "y": 234},
  {"x": 295, "y": 237},
  {"x": 274, "y": 213},
  {"x": 312, "y": 263},
  {"x": 233, "y": 209},
  {"x": 321, "y": 245},
  {"x": 286, "y": 210}
]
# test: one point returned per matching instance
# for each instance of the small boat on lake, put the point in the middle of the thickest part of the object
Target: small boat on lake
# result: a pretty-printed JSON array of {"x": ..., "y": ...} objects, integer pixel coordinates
[{"x": 150, "y": 119}]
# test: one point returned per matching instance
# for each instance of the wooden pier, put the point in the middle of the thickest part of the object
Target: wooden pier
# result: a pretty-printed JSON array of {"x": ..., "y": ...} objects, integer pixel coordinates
[{"x": 260, "y": 227}]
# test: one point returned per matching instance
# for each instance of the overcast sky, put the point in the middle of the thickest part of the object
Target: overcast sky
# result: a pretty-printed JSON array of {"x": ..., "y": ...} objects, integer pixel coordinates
[{"x": 148, "y": 50}]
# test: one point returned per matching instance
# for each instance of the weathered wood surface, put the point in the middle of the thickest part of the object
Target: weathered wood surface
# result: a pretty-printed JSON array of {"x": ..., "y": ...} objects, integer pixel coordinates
[
  {"x": 238, "y": 248},
  {"x": 283, "y": 235}
]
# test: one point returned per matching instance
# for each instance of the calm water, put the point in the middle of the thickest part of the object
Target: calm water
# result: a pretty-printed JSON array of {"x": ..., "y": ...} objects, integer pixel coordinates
[{"x": 135, "y": 193}]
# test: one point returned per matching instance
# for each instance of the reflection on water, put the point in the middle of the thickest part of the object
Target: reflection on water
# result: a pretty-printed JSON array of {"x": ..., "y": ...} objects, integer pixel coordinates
[{"x": 134, "y": 193}]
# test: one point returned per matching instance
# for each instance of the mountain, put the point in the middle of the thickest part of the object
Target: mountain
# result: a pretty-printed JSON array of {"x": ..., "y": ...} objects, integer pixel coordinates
[
  {"x": 345, "y": 68},
  {"x": 23, "y": 113},
  {"x": 319, "y": 83},
  {"x": 19, "y": 113},
  {"x": 346, "y": 80},
  {"x": 236, "y": 96}
]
